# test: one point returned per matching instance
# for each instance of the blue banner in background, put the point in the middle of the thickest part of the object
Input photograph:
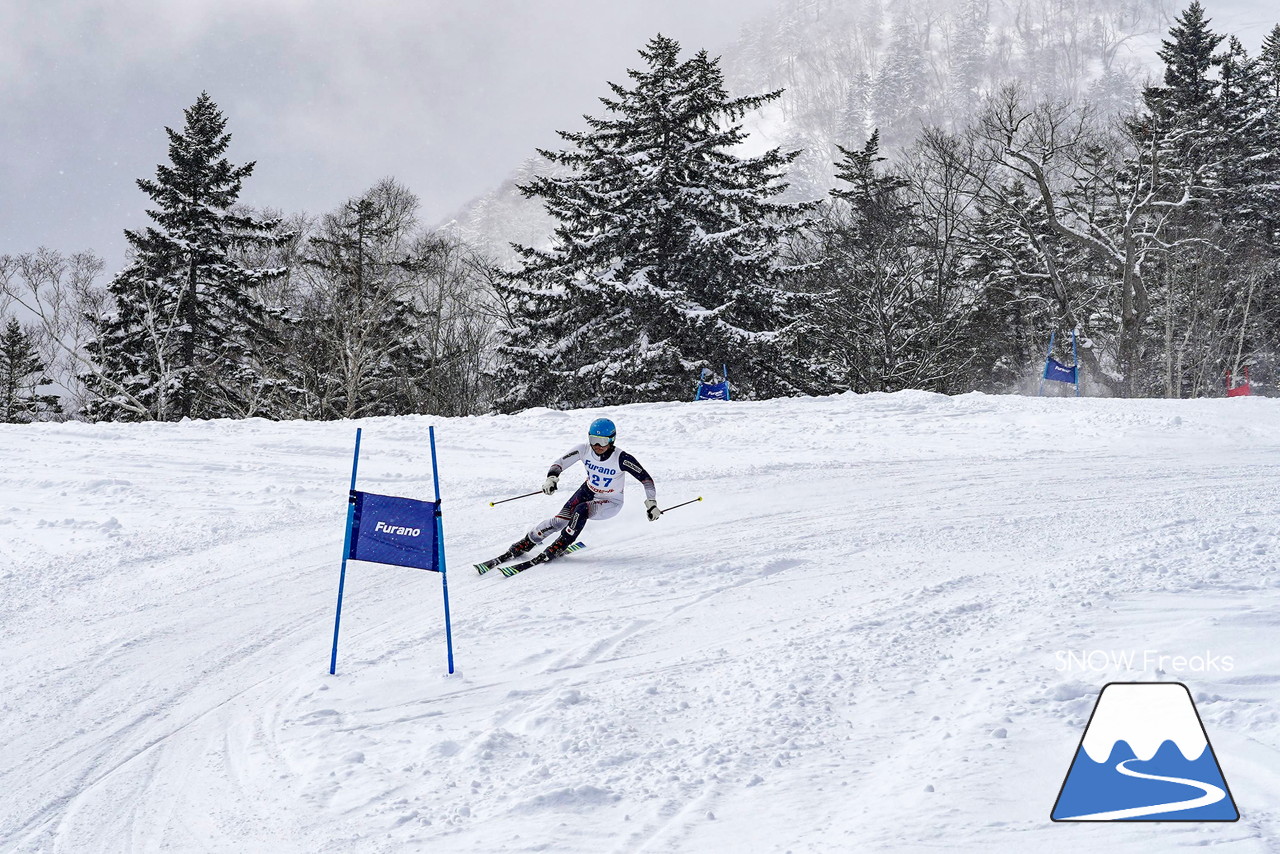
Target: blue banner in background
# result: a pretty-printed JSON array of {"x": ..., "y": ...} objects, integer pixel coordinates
[
  {"x": 397, "y": 531},
  {"x": 713, "y": 391},
  {"x": 1055, "y": 370}
]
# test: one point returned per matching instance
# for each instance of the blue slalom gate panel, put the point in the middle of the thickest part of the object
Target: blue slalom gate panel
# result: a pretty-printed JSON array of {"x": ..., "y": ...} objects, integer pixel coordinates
[
  {"x": 396, "y": 531},
  {"x": 713, "y": 391},
  {"x": 1055, "y": 370}
]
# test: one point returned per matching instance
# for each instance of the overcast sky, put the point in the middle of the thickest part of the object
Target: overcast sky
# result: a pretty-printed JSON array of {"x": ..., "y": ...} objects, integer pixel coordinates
[
  {"x": 328, "y": 96},
  {"x": 448, "y": 96}
]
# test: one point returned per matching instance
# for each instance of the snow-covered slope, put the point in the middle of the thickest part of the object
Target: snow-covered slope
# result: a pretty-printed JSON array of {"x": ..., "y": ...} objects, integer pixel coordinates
[{"x": 860, "y": 640}]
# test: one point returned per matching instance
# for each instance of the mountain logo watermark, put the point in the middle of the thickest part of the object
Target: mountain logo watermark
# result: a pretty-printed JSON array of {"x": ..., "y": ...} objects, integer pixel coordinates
[{"x": 1145, "y": 756}]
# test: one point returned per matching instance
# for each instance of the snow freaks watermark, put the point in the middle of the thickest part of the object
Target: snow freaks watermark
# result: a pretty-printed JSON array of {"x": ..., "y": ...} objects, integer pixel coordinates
[{"x": 1139, "y": 661}]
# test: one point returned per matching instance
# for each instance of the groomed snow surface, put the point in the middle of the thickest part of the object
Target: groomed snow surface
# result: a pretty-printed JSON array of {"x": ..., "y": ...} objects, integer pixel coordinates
[{"x": 861, "y": 640}]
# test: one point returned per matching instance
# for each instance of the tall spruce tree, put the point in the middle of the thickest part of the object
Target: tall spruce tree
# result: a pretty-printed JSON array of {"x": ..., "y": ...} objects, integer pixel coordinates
[
  {"x": 1182, "y": 123},
  {"x": 666, "y": 256},
  {"x": 1015, "y": 302},
  {"x": 1213, "y": 129},
  {"x": 1265, "y": 136},
  {"x": 21, "y": 375},
  {"x": 1269, "y": 60},
  {"x": 1177, "y": 160},
  {"x": 1189, "y": 60},
  {"x": 1249, "y": 208},
  {"x": 1247, "y": 160},
  {"x": 186, "y": 326},
  {"x": 866, "y": 328}
]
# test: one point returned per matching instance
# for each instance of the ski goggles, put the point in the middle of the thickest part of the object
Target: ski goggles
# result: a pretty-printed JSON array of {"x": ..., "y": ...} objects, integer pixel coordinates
[{"x": 600, "y": 440}]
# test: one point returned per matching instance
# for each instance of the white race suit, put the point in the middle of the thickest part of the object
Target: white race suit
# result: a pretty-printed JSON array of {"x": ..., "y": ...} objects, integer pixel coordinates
[{"x": 599, "y": 497}]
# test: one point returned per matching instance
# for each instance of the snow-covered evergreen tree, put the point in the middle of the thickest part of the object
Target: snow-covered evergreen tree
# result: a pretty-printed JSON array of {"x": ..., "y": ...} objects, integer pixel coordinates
[
  {"x": 1255, "y": 279},
  {"x": 970, "y": 54},
  {"x": 1183, "y": 112},
  {"x": 1269, "y": 60},
  {"x": 1247, "y": 157},
  {"x": 21, "y": 375},
  {"x": 666, "y": 254},
  {"x": 1248, "y": 205},
  {"x": 186, "y": 328},
  {"x": 1207, "y": 127},
  {"x": 1016, "y": 305},
  {"x": 1268, "y": 134},
  {"x": 873, "y": 328},
  {"x": 901, "y": 93}
]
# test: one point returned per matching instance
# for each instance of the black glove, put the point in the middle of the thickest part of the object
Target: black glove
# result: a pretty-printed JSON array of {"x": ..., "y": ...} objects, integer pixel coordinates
[
  {"x": 651, "y": 508},
  {"x": 549, "y": 485}
]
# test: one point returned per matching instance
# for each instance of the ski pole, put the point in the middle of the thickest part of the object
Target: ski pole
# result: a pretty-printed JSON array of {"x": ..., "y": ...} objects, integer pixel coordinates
[
  {"x": 674, "y": 506},
  {"x": 516, "y": 498}
]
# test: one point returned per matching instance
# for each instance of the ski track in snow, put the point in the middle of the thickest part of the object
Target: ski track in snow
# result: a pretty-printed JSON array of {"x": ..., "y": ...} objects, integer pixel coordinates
[{"x": 849, "y": 645}]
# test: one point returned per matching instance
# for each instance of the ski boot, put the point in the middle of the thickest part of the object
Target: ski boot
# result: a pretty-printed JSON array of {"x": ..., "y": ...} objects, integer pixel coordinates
[
  {"x": 517, "y": 549},
  {"x": 551, "y": 552}
]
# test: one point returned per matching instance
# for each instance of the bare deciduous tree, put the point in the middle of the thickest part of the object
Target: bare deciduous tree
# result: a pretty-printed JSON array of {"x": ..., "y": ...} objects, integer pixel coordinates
[
  {"x": 1098, "y": 203},
  {"x": 60, "y": 294}
]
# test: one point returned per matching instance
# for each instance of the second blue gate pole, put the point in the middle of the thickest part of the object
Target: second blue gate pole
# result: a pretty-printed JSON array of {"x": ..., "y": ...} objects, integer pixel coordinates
[
  {"x": 444, "y": 576},
  {"x": 346, "y": 550}
]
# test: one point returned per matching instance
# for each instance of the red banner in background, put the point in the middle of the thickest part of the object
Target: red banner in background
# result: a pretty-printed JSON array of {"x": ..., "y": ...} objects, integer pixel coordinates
[{"x": 1241, "y": 390}]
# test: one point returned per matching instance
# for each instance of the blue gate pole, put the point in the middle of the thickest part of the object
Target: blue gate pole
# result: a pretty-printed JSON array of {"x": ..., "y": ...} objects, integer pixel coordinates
[
  {"x": 444, "y": 576},
  {"x": 726, "y": 381},
  {"x": 346, "y": 549},
  {"x": 1075, "y": 360}
]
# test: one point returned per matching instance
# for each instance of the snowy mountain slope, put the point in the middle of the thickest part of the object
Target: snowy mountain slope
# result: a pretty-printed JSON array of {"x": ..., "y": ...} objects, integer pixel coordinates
[{"x": 856, "y": 642}]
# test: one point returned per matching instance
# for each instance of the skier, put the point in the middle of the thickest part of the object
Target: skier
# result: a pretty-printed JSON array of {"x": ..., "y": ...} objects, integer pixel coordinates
[{"x": 599, "y": 497}]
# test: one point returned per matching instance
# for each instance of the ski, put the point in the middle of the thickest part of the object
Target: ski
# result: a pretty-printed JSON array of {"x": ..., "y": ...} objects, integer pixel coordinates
[
  {"x": 487, "y": 565},
  {"x": 509, "y": 571}
]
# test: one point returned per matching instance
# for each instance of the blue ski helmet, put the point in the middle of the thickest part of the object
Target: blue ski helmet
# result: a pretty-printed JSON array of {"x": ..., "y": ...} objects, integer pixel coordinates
[{"x": 601, "y": 432}]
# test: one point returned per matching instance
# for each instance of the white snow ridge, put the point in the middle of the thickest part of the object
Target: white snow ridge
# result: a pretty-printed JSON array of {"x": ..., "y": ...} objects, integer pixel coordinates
[{"x": 856, "y": 642}]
